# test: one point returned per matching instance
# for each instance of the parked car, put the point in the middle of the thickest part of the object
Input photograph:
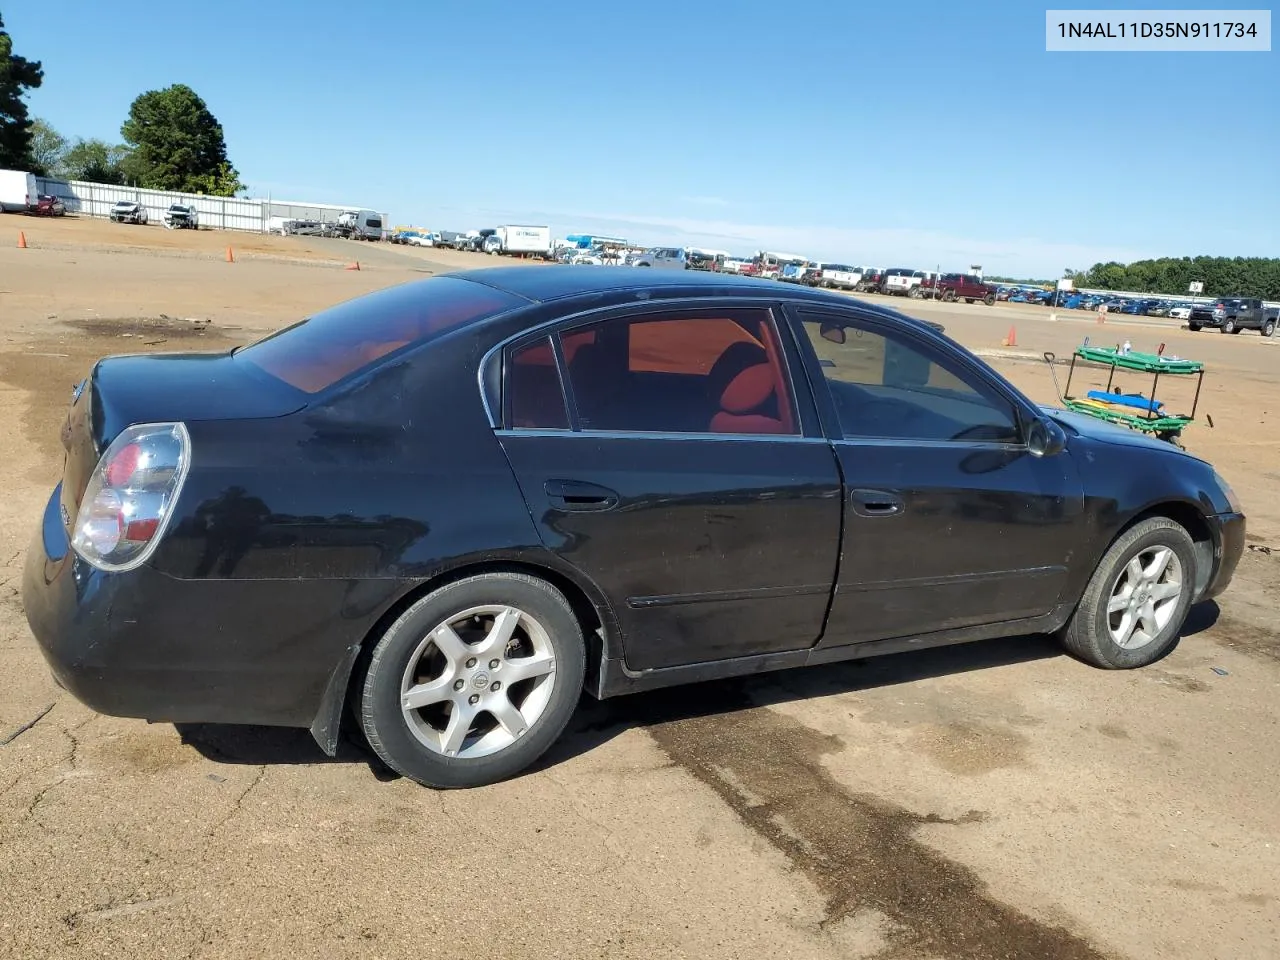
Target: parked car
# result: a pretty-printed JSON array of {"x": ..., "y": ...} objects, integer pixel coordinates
[
  {"x": 423, "y": 240},
  {"x": 669, "y": 258},
  {"x": 307, "y": 228},
  {"x": 126, "y": 211},
  {"x": 961, "y": 286},
  {"x": 806, "y": 273},
  {"x": 393, "y": 505},
  {"x": 839, "y": 276},
  {"x": 47, "y": 205},
  {"x": 1233, "y": 314},
  {"x": 181, "y": 216},
  {"x": 705, "y": 260},
  {"x": 1182, "y": 311},
  {"x": 904, "y": 282},
  {"x": 740, "y": 265},
  {"x": 871, "y": 279}
]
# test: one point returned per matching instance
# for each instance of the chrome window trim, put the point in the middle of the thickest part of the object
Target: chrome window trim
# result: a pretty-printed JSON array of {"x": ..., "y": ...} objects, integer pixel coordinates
[{"x": 651, "y": 435}]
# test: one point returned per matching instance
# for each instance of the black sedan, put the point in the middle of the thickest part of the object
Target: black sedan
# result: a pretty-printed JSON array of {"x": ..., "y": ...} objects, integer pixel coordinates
[{"x": 446, "y": 508}]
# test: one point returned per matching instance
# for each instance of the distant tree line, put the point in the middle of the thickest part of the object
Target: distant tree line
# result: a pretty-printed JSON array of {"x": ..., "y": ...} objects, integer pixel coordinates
[
  {"x": 171, "y": 139},
  {"x": 1037, "y": 283},
  {"x": 1221, "y": 276}
]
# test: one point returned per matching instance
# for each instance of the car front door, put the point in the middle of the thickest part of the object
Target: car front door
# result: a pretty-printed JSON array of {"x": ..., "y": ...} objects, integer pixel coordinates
[
  {"x": 681, "y": 473},
  {"x": 950, "y": 521}
]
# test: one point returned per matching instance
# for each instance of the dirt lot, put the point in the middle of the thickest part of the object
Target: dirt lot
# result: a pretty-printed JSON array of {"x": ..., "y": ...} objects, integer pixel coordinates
[{"x": 991, "y": 801}]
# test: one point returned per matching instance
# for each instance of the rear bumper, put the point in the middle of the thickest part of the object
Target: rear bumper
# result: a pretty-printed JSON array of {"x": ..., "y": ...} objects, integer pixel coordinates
[
  {"x": 143, "y": 644},
  {"x": 1228, "y": 531}
]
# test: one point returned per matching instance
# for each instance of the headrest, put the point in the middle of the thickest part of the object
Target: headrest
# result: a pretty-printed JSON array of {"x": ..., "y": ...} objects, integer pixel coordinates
[
  {"x": 740, "y": 355},
  {"x": 748, "y": 390}
]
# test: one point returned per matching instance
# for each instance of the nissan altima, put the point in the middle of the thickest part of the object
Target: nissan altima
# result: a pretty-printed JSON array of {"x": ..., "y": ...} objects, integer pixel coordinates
[{"x": 443, "y": 510}]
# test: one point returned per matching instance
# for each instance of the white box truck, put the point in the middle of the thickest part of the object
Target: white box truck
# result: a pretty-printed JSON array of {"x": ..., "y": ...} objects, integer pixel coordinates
[
  {"x": 522, "y": 238},
  {"x": 17, "y": 191}
]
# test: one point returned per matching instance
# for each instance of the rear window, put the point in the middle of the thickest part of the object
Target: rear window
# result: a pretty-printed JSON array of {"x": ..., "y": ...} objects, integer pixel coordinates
[{"x": 316, "y": 353}]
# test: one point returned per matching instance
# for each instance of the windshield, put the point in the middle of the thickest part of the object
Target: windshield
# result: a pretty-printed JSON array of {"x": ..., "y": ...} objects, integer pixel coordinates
[{"x": 316, "y": 353}]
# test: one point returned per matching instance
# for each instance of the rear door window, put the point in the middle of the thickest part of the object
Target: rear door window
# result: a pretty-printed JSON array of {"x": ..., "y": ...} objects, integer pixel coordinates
[{"x": 681, "y": 372}]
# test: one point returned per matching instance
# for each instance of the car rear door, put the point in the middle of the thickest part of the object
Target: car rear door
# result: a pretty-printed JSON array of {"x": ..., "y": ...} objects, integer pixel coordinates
[
  {"x": 680, "y": 474},
  {"x": 950, "y": 522}
]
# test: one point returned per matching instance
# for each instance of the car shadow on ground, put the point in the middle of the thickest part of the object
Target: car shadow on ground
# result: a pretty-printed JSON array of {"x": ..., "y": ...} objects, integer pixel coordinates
[
  {"x": 599, "y": 721},
  {"x": 596, "y": 722},
  {"x": 256, "y": 746}
]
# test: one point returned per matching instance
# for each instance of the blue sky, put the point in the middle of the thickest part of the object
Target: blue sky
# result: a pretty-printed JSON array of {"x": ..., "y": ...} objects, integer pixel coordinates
[{"x": 916, "y": 133}]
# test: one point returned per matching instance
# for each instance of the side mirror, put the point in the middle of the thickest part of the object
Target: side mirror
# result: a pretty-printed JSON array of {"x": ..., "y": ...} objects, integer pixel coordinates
[
  {"x": 833, "y": 332},
  {"x": 1046, "y": 438}
]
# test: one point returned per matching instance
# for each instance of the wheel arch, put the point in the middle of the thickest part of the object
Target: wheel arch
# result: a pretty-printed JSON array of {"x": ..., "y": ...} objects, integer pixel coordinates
[
  {"x": 599, "y": 627},
  {"x": 1191, "y": 518}
]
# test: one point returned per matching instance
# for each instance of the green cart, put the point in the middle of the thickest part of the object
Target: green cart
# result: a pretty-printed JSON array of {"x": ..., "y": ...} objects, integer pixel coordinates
[{"x": 1152, "y": 420}]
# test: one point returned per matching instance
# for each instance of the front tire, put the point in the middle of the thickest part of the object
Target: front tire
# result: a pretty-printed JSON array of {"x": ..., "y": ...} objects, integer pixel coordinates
[
  {"x": 1137, "y": 600},
  {"x": 1228, "y": 326},
  {"x": 474, "y": 682},
  {"x": 1269, "y": 328}
]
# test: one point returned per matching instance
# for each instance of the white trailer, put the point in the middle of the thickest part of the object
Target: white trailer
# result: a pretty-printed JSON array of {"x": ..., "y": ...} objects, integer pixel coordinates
[
  {"x": 18, "y": 191},
  {"x": 523, "y": 238}
]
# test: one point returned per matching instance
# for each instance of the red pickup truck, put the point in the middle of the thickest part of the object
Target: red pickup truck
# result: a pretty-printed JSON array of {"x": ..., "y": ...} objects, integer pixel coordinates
[{"x": 961, "y": 286}]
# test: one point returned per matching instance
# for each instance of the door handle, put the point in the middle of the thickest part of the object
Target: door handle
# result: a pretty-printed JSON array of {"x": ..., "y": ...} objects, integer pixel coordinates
[
  {"x": 578, "y": 495},
  {"x": 876, "y": 503}
]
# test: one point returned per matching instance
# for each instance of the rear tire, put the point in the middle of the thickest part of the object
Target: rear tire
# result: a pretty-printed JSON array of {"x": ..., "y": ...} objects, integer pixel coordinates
[
  {"x": 532, "y": 691},
  {"x": 1127, "y": 617},
  {"x": 1269, "y": 328}
]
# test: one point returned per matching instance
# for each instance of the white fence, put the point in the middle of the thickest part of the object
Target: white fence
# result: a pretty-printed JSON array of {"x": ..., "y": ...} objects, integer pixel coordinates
[{"x": 215, "y": 213}]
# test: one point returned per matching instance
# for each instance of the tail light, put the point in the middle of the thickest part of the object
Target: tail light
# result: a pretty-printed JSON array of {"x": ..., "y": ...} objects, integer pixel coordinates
[{"x": 130, "y": 495}]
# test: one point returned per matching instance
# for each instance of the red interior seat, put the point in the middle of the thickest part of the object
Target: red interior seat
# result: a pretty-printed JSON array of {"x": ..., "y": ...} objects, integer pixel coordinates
[{"x": 742, "y": 399}]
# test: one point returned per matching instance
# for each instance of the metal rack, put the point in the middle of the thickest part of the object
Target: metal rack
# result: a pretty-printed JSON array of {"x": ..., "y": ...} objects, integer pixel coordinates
[{"x": 1164, "y": 426}]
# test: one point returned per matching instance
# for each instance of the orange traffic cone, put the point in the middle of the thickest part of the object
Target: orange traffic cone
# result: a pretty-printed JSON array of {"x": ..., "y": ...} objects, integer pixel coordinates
[
  {"x": 231, "y": 257},
  {"x": 1012, "y": 339},
  {"x": 354, "y": 266},
  {"x": 22, "y": 240}
]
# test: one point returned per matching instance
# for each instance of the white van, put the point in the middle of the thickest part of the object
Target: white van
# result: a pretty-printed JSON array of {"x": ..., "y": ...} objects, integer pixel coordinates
[
  {"x": 360, "y": 224},
  {"x": 18, "y": 191}
]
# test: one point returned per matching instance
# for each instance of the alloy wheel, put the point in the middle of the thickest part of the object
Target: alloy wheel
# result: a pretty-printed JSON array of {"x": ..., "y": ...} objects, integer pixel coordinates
[
  {"x": 1144, "y": 597},
  {"x": 477, "y": 682}
]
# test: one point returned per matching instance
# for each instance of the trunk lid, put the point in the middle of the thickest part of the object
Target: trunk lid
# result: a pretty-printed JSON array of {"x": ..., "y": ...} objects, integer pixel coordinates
[{"x": 121, "y": 391}]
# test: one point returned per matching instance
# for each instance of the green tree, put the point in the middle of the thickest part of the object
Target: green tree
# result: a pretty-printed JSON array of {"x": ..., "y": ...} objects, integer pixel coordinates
[
  {"x": 48, "y": 147},
  {"x": 1222, "y": 276},
  {"x": 17, "y": 76},
  {"x": 96, "y": 161},
  {"x": 175, "y": 143}
]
